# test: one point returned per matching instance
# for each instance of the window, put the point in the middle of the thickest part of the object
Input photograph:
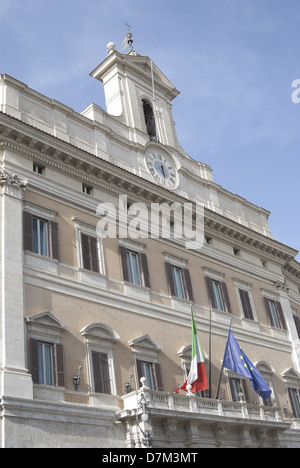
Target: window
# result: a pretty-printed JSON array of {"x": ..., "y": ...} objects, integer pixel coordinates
[
  {"x": 218, "y": 294},
  {"x": 86, "y": 189},
  {"x": 101, "y": 372},
  {"x": 100, "y": 340},
  {"x": 38, "y": 169},
  {"x": 149, "y": 119},
  {"x": 146, "y": 351},
  {"x": 275, "y": 313},
  {"x": 89, "y": 248},
  {"x": 297, "y": 324},
  {"x": 40, "y": 235},
  {"x": 238, "y": 386},
  {"x": 179, "y": 282},
  {"x": 135, "y": 267},
  {"x": 47, "y": 363},
  {"x": 246, "y": 304},
  {"x": 151, "y": 371},
  {"x": 294, "y": 399}
]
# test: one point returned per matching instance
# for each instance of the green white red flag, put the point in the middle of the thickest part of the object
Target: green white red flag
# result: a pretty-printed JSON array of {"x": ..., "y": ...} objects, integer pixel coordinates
[{"x": 197, "y": 376}]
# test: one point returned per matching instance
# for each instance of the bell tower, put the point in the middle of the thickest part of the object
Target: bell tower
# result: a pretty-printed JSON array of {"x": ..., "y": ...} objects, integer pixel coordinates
[{"x": 138, "y": 94}]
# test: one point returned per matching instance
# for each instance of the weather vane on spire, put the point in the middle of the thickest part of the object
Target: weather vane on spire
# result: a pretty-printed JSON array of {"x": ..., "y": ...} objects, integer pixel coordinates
[{"x": 128, "y": 41}]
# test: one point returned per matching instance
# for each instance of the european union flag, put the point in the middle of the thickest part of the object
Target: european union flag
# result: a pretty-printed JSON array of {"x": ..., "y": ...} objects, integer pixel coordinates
[{"x": 236, "y": 360}]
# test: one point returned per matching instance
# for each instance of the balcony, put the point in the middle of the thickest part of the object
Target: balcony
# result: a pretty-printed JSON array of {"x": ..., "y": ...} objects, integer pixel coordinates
[{"x": 187, "y": 421}]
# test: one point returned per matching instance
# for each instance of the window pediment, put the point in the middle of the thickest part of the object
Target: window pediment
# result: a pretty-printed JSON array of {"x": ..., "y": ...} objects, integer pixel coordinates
[
  {"x": 145, "y": 342},
  {"x": 291, "y": 376},
  {"x": 100, "y": 331},
  {"x": 46, "y": 319}
]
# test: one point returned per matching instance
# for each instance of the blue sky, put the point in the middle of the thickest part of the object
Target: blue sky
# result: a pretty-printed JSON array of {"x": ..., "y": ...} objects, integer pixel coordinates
[{"x": 233, "y": 61}]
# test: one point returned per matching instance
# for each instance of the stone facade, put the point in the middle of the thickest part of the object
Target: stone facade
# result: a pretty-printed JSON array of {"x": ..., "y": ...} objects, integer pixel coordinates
[{"x": 72, "y": 305}]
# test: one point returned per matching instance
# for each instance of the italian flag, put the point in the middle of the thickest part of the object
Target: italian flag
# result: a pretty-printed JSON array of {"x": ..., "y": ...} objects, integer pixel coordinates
[{"x": 197, "y": 376}]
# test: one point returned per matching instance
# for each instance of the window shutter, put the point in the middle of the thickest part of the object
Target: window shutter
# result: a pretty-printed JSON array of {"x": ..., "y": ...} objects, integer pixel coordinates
[
  {"x": 85, "y": 251},
  {"x": 294, "y": 395},
  {"x": 209, "y": 285},
  {"x": 245, "y": 300},
  {"x": 157, "y": 376},
  {"x": 267, "y": 305},
  {"x": 96, "y": 373},
  {"x": 245, "y": 391},
  {"x": 225, "y": 296},
  {"x": 170, "y": 278},
  {"x": 139, "y": 372},
  {"x": 187, "y": 284},
  {"x": 297, "y": 323},
  {"x": 27, "y": 231},
  {"x": 100, "y": 372},
  {"x": 59, "y": 365},
  {"x": 145, "y": 269},
  {"x": 280, "y": 315},
  {"x": 105, "y": 372},
  {"x": 34, "y": 367},
  {"x": 53, "y": 240},
  {"x": 94, "y": 264},
  {"x": 123, "y": 254}
]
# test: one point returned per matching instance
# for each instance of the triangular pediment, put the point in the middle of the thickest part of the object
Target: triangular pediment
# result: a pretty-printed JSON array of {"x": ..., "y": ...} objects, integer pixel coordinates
[
  {"x": 145, "y": 341},
  {"x": 143, "y": 63},
  {"x": 46, "y": 318},
  {"x": 290, "y": 374}
]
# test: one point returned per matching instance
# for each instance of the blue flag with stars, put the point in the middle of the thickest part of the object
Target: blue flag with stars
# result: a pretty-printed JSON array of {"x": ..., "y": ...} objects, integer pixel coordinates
[{"x": 236, "y": 360}]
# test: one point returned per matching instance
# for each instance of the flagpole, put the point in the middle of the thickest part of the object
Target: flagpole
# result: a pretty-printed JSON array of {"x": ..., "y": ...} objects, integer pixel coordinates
[
  {"x": 221, "y": 373},
  {"x": 210, "y": 352}
]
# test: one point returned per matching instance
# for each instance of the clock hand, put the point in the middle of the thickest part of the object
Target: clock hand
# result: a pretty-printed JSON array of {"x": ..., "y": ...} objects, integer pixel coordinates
[{"x": 163, "y": 171}]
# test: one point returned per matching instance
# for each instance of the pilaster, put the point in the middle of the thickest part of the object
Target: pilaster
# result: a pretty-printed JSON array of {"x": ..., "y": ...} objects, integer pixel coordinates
[
  {"x": 290, "y": 323},
  {"x": 15, "y": 381}
]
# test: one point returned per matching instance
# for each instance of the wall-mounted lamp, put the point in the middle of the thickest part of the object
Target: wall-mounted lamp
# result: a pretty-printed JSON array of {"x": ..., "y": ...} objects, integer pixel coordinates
[
  {"x": 146, "y": 413},
  {"x": 76, "y": 378},
  {"x": 128, "y": 384}
]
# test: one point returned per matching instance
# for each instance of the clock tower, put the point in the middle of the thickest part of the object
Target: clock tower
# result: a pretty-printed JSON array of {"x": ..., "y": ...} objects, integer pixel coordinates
[
  {"x": 138, "y": 100},
  {"x": 139, "y": 95}
]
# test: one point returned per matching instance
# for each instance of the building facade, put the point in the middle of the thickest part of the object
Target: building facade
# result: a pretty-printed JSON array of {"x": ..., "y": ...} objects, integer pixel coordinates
[{"x": 109, "y": 234}]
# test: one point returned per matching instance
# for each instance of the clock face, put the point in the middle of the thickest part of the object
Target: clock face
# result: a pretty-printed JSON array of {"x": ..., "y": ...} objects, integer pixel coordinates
[{"x": 162, "y": 169}]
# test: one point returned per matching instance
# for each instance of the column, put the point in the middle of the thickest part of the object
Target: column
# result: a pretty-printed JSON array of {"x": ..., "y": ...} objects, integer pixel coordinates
[
  {"x": 290, "y": 323},
  {"x": 15, "y": 381}
]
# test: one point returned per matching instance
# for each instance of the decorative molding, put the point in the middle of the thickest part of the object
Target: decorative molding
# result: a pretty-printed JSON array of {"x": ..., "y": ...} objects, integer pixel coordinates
[{"x": 6, "y": 178}]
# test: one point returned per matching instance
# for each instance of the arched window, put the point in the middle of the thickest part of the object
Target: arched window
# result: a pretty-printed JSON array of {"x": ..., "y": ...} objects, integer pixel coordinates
[{"x": 149, "y": 119}]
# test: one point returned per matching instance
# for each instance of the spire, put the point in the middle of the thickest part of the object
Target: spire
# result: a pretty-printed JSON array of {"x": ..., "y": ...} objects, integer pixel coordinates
[{"x": 128, "y": 40}]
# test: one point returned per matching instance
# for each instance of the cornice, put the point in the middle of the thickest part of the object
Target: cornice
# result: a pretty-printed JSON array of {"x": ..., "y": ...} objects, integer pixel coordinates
[{"x": 75, "y": 161}]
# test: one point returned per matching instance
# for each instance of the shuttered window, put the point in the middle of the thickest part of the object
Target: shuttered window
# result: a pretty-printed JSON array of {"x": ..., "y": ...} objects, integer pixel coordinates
[
  {"x": 90, "y": 257},
  {"x": 47, "y": 363},
  {"x": 151, "y": 371},
  {"x": 297, "y": 323},
  {"x": 40, "y": 236},
  {"x": 246, "y": 304},
  {"x": 101, "y": 375},
  {"x": 294, "y": 395},
  {"x": 238, "y": 386},
  {"x": 135, "y": 267},
  {"x": 218, "y": 294},
  {"x": 179, "y": 282},
  {"x": 275, "y": 313}
]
